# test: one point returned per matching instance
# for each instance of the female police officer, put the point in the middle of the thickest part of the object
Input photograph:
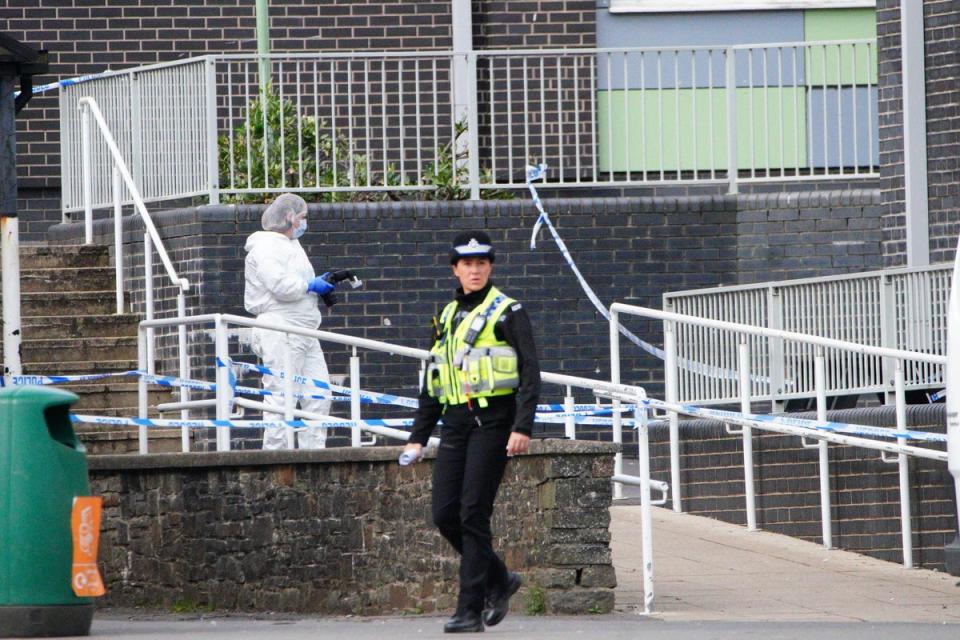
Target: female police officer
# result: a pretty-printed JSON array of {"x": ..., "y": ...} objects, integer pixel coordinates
[{"x": 484, "y": 379}]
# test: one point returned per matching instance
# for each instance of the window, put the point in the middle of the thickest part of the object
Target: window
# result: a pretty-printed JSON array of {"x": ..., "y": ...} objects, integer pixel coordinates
[{"x": 669, "y": 6}]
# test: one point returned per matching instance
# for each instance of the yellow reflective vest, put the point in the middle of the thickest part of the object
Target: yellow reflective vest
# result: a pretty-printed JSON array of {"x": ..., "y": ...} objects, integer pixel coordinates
[{"x": 468, "y": 362}]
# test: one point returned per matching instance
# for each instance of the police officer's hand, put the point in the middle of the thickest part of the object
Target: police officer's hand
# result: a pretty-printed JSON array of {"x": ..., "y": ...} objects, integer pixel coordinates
[
  {"x": 517, "y": 444},
  {"x": 414, "y": 448}
]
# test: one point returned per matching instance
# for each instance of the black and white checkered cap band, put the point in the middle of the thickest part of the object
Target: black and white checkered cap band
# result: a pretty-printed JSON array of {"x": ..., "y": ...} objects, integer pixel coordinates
[{"x": 473, "y": 248}]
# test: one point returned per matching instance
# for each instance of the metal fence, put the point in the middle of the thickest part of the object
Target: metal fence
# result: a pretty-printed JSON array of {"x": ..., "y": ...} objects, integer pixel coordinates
[
  {"x": 895, "y": 308},
  {"x": 399, "y": 121}
]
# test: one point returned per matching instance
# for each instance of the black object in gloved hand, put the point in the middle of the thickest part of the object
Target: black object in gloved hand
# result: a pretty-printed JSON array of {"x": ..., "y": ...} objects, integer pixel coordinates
[{"x": 334, "y": 277}]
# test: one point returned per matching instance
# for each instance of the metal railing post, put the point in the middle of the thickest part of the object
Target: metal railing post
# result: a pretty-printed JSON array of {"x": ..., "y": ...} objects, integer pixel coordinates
[
  {"x": 646, "y": 517},
  {"x": 748, "y": 483},
  {"x": 473, "y": 124},
  {"x": 903, "y": 463},
  {"x": 142, "y": 399},
  {"x": 672, "y": 395},
  {"x": 224, "y": 391},
  {"x": 776, "y": 366},
  {"x": 289, "y": 402},
  {"x": 184, "y": 357},
  {"x": 87, "y": 182},
  {"x": 888, "y": 332},
  {"x": 118, "y": 237},
  {"x": 731, "y": 95},
  {"x": 148, "y": 298},
  {"x": 213, "y": 158},
  {"x": 570, "y": 422},
  {"x": 617, "y": 419},
  {"x": 819, "y": 381},
  {"x": 355, "y": 432}
]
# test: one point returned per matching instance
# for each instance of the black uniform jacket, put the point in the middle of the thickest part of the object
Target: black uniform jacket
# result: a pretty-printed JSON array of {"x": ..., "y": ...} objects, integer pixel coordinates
[{"x": 513, "y": 327}]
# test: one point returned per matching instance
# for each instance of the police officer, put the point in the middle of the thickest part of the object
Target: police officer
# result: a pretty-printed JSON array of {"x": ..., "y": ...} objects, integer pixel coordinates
[{"x": 484, "y": 379}]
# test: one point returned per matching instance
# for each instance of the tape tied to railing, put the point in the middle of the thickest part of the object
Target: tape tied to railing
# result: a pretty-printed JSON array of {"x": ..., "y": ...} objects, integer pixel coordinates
[{"x": 539, "y": 172}]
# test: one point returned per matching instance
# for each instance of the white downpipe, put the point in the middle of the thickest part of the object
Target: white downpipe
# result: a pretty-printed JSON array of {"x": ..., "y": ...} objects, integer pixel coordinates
[
  {"x": 184, "y": 370},
  {"x": 224, "y": 395},
  {"x": 646, "y": 517},
  {"x": 903, "y": 464},
  {"x": 142, "y": 386},
  {"x": 748, "y": 483},
  {"x": 86, "y": 180},
  {"x": 570, "y": 422},
  {"x": 953, "y": 380},
  {"x": 819, "y": 383},
  {"x": 355, "y": 432},
  {"x": 617, "y": 420},
  {"x": 672, "y": 393},
  {"x": 148, "y": 296},
  {"x": 118, "y": 236},
  {"x": 289, "y": 401}
]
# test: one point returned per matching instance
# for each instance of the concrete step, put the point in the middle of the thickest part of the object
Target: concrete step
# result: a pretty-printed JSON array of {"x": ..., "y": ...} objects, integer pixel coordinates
[
  {"x": 77, "y": 367},
  {"x": 49, "y": 327},
  {"x": 68, "y": 280},
  {"x": 67, "y": 256},
  {"x": 112, "y": 394},
  {"x": 91, "y": 349},
  {"x": 57, "y": 303},
  {"x": 107, "y": 440}
]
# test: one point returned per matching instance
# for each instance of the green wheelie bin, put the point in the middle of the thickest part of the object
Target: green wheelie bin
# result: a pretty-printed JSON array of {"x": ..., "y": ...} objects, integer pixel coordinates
[{"x": 43, "y": 467}]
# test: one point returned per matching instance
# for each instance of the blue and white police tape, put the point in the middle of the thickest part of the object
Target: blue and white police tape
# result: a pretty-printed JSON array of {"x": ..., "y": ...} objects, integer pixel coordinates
[
  {"x": 933, "y": 397},
  {"x": 66, "y": 82},
  {"x": 373, "y": 397},
  {"x": 813, "y": 425},
  {"x": 19, "y": 380},
  {"x": 539, "y": 172},
  {"x": 332, "y": 422}
]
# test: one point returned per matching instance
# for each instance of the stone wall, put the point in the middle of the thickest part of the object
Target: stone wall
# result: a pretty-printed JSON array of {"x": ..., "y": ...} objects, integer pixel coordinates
[
  {"x": 343, "y": 531},
  {"x": 864, "y": 491}
]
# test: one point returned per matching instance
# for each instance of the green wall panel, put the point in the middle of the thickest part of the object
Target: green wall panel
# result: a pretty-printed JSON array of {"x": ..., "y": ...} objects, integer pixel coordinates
[
  {"x": 671, "y": 129},
  {"x": 841, "y": 63}
]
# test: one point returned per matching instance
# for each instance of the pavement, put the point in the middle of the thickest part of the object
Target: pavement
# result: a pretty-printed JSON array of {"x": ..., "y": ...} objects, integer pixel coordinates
[{"x": 713, "y": 581}]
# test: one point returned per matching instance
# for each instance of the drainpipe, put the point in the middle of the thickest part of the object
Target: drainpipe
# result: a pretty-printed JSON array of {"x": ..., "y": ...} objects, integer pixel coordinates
[
  {"x": 916, "y": 203},
  {"x": 9, "y": 229},
  {"x": 263, "y": 43}
]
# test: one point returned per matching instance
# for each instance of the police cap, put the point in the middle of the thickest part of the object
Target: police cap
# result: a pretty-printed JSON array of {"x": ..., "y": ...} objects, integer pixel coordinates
[{"x": 471, "y": 244}]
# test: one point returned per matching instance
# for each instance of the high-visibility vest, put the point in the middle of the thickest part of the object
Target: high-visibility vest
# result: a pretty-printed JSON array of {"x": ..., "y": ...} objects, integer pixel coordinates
[{"x": 468, "y": 362}]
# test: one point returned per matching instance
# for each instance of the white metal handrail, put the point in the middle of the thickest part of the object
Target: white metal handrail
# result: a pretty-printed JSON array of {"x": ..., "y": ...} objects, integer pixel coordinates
[
  {"x": 151, "y": 239},
  {"x": 747, "y": 383},
  {"x": 904, "y": 308}
]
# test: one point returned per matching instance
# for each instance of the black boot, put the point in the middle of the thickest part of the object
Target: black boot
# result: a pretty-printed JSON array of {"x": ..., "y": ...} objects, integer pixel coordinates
[
  {"x": 468, "y": 622},
  {"x": 498, "y": 603}
]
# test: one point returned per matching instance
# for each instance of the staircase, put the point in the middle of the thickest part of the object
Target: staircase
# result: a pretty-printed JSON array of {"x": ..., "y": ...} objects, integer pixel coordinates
[{"x": 69, "y": 327}]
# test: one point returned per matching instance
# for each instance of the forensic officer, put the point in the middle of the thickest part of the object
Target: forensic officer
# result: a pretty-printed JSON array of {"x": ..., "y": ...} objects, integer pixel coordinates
[{"x": 484, "y": 379}]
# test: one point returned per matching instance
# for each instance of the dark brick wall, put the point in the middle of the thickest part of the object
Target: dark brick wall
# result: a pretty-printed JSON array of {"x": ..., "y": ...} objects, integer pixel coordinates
[
  {"x": 804, "y": 235},
  {"x": 342, "y": 531},
  {"x": 942, "y": 56},
  {"x": 864, "y": 491}
]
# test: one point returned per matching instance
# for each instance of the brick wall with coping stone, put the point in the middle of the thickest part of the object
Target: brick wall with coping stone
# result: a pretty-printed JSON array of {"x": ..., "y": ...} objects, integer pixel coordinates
[
  {"x": 942, "y": 60},
  {"x": 628, "y": 249},
  {"x": 342, "y": 531},
  {"x": 864, "y": 491}
]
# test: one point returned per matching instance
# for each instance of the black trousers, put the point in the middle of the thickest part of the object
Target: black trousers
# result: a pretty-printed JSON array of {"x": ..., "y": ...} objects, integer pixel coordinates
[{"x": 466, "y": 476}]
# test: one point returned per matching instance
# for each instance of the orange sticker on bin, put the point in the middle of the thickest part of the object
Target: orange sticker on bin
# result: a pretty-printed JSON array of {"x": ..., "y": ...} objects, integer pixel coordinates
[{"x": 85, "y": 524}]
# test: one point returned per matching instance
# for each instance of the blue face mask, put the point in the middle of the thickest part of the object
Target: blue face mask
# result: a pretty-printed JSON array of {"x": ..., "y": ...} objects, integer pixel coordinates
[{"x": 302, "y": 229}]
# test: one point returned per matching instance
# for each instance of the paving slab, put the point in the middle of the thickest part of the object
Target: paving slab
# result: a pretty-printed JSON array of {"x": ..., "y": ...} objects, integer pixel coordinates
[{"x": 707, "y": 570}]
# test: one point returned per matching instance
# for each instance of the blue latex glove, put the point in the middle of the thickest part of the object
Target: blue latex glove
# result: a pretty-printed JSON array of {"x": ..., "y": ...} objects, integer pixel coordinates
[{"x": 320, "y": 286}]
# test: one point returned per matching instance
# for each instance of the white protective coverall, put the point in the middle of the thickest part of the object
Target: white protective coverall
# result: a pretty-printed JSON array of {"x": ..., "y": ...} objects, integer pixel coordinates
[{"x": 277, "y": 274}]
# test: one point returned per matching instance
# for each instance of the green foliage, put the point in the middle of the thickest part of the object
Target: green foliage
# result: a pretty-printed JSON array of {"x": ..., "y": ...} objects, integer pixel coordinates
[
  {"x": 295, "y": 146},
  {"x": 304, "y": 152},
  {"x": 189, "y": 606},
  {"x": 535, "y": 600},
  {"x": 595, "y": 609}
]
